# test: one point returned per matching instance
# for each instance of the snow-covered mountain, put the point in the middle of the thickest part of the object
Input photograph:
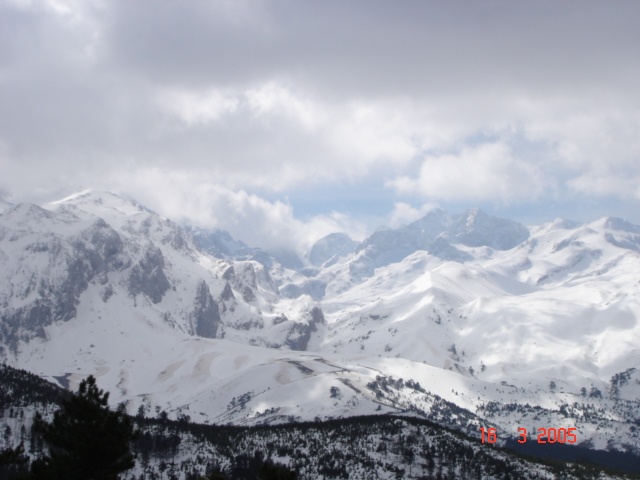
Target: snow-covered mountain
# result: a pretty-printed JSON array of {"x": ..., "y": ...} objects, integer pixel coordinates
[
  {"x": 219, "y": 243},
  {"x": 330, "y": 249},
  {"x": 104, "y": 252},
  {"x": 442, "y": 235},
  {"x": 468, "y": 320}
]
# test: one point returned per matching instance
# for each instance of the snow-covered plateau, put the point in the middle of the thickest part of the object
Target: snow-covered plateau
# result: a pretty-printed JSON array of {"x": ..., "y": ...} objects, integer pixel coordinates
[{"x": 467, "y": 320}]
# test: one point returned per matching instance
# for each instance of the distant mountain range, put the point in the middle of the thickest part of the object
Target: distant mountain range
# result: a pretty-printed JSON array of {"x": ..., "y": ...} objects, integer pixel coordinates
[{"x": 466, "y": 320}]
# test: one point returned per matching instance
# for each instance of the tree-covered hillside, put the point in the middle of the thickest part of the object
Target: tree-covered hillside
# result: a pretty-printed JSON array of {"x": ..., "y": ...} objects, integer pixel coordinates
[{"x": 384, "y": 447}]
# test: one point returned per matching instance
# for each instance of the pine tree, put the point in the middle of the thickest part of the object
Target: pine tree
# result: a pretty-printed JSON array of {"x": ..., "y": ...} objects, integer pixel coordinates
[
  {"x": 276, "y": 471},
  {"x": 13, "y": 462},
  {"x": 86, "y": 440}
]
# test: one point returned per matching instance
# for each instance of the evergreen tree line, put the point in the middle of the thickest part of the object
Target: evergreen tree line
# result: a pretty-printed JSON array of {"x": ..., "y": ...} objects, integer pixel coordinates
[{"x": 85, "y": 439}]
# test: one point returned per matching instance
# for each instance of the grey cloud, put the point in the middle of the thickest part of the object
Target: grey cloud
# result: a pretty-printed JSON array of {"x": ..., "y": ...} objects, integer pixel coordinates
[
  {"x": 387, "y": 84},
  {"x": 193, "y": 45},
  {"x": 381, "y": 47}
]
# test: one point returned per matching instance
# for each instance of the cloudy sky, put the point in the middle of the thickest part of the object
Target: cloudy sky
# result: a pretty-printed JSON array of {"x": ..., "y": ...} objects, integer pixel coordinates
[{"x": 284, "y": 120}]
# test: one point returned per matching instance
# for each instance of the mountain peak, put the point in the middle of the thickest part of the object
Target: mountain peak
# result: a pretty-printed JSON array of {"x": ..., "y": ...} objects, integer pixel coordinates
[
  {"x": 330, "y": 248},
  {"x": 433, "y": 214},
  {"x": 476, "y": 228},
  {"x": 74, "y": 196},
  {"x": 564, "y": 224},
  {"x": 101, "y": 202},
  {"x": 615, "y": 223}
]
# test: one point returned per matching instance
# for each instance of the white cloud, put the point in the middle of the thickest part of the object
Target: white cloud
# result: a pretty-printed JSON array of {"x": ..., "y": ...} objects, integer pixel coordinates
[
  {"x": 487, "y": 173},
  {"x": 403, "y": 213},
  {"x": 595, "y": 143},
  {"x": 274, "y": 99},
  {"x": 265, "y": 102},
  {"x": 181, "y": 195},
  {"x": 198, "y": 108},
  {"x": 294, "y": 136}
]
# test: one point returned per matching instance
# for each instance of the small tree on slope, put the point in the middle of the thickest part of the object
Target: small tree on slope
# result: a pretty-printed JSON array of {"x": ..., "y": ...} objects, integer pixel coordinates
[{"x": 86, "y": 440}]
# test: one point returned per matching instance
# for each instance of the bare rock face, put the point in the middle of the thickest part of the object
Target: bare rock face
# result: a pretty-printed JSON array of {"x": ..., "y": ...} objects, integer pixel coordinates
[
  {"x": 248, "y": 295},
  {"x": 300, "y": 332},
  {"x": 61, "y": 270},
  {"x": 147, "y": 276},
  {"x": 229, "y": 274},
  {"x": 249, "y": 277},
  {"x": 205, "y": 318},
  {"x": 107, "y": 245},
  {"x": 317, "y": 318},
  {"x": 330, "y": 249},
  {"x": 26, "y": 322},
  {"x": 227, "y": 293}
]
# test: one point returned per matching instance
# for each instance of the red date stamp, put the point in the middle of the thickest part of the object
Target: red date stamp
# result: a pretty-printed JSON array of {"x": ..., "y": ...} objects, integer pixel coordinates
[{"x": 545, "y": 435}]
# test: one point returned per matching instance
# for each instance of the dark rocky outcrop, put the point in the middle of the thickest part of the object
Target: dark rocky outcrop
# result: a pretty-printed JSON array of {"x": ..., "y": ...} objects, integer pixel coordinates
[
  {"x": 205, "y": 317},
  {"x": 300, "y": 332},
  {"x": 147, "y": 276},
  {"x": 227, "y": 293}
]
